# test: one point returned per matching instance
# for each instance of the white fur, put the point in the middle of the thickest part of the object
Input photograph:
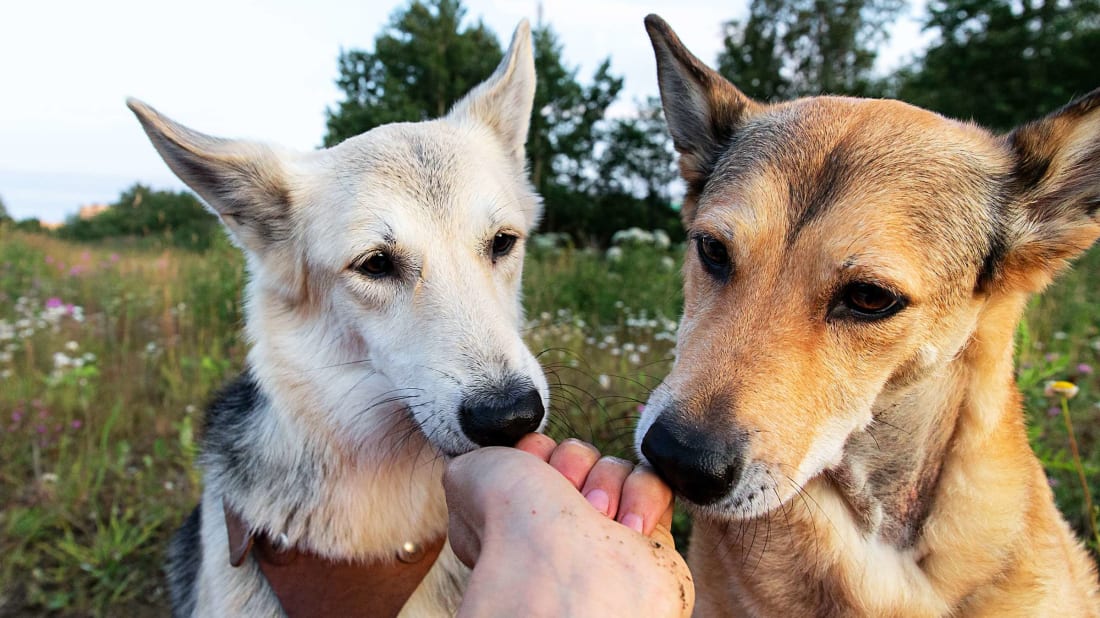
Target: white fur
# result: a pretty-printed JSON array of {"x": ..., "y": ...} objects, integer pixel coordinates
[{"x": 364, "y": 377}]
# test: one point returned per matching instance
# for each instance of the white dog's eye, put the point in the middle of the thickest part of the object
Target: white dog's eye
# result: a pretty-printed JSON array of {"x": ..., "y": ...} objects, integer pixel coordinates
[
  {"x": 375, "y": 265},
  {"x": 502, "y": 244}
]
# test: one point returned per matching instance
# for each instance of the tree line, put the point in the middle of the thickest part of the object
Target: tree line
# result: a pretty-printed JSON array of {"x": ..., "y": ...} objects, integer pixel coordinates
[{"x": 997, "y": 62}]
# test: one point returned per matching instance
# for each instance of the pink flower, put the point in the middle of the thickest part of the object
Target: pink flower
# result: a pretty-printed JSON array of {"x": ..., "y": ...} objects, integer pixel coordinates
[
  {"x": 1054, "y": 411},
  {"x": 54, "y": 302},
  {"x": 76, "y": 424},
  {"x": 1084, "y": 369}
]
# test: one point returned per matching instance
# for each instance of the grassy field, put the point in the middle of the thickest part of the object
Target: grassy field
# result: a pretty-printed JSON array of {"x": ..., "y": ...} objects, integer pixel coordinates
[{"x": 107, "y": 356}]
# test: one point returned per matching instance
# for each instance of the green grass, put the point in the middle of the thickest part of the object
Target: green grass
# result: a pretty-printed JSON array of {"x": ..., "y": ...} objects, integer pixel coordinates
[{"x": 97, "y": 446}]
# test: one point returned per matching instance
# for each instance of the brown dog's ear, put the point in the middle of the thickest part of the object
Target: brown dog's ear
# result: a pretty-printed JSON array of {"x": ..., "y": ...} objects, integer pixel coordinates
[
  {"x": 1055, "y": 188},
  {"x": 242, "y": 182},
  {"x": 702, "y": 109}
]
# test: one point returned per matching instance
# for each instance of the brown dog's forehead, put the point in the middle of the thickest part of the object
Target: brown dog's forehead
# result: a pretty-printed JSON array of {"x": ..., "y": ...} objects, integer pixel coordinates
[{"x": 880, "y": 170}]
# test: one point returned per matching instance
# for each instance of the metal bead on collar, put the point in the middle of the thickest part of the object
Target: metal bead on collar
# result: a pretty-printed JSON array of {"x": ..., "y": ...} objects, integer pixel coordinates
[{"x": 410, "y": 553}]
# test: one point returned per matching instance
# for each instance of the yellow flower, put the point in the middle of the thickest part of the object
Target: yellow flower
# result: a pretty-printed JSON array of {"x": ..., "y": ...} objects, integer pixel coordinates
[{"x": 1061, "y": 388}]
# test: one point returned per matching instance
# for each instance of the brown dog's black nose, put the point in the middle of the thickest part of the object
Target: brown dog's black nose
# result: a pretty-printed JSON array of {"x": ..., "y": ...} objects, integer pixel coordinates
[
  {"x": 502, "y": 419},
  {"x": 694, "y": 464}
]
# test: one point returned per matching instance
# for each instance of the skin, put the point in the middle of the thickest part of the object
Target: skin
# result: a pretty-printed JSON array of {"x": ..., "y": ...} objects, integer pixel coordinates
[{"x": 556, "y": 530}]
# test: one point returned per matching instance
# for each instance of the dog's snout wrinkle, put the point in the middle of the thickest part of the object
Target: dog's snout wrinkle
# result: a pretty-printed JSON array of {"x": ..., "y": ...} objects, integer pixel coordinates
[
  {"x": 503, "y": 418},
  {"x": 696, "y": 465}
]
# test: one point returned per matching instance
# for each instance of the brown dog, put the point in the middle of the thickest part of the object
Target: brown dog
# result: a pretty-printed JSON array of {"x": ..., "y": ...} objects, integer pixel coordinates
[{"x": 842, "y": 417}]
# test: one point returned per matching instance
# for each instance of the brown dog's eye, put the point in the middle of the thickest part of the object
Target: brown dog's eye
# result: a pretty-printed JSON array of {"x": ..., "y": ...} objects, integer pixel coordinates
[
  {"x": 376, "y": 266},
  {"x": 713, "y": 255},
  {"x": 502, "y": 245},
  {"x": 867, "y": 301}
]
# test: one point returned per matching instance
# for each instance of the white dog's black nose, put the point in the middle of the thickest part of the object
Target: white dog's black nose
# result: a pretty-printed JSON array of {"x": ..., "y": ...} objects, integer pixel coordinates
[
  {"x": 501, "y": 419},
  {"x": 696, "y": 465}
]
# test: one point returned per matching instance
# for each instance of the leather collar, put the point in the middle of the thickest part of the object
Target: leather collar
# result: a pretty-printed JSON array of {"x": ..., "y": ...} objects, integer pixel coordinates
[{"x": 308, "y": 584}]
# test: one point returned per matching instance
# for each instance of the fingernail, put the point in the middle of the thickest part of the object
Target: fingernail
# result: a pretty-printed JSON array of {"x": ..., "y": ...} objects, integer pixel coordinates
[
  {"x": 633, "y": 521},
  {"x": 599, "y": 499}
]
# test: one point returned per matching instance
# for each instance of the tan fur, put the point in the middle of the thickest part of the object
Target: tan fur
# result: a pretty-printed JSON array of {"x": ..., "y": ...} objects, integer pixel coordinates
[{"x": 886, "y": 468}]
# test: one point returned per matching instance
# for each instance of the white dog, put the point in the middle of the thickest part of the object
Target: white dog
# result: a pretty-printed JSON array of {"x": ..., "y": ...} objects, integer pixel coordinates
[{"x": 383, "y": 314}]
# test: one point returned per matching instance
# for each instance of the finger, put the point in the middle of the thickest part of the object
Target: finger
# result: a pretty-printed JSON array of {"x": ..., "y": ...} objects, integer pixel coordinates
[
  {"x": 604, "y": 486},
  {"x": 539, "y": 445},
  {"x": 644, "y": 502},
  {"x": 574, "y": 459}
]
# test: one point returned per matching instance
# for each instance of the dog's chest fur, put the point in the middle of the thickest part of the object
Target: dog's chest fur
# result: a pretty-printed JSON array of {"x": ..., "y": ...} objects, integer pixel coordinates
[{"x": 320, "y": 501}]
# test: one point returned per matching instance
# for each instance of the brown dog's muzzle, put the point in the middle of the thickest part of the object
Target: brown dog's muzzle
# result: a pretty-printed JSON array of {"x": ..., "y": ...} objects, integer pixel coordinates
[{"x": 699, "y": 466}]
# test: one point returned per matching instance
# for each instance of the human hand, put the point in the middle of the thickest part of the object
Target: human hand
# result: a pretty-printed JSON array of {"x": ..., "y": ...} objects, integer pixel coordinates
[{"x": 539, "y": 528}]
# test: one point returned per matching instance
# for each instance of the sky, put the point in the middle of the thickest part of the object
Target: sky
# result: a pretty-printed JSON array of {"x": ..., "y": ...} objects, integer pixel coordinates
[{"x": 250, "y": 69}]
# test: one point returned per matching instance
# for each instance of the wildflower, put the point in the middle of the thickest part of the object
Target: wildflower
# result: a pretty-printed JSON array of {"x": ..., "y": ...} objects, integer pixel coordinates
[
  {"x": 614, "y": 254},
  {"x": 635, "y": 358},
  {"x": 114, "y": 258},
  {"x": 1060, "y": 335},
  {"x": 604, "y": 380},
  {"x": 1084, "y": 369},
  {"x": 76, "y": 423},
  {"x": 661, "y": 239},
  {"x": 1061, "y": 388},
  {"x": 48, "y": 477},
  {"x": 72, "y": 346},
  {"x": 668, "y": 263},
  {"x": 169, "y": 485},
  {"x": 89, "y": 357},
  {"x": 1054, "y": 411},
  {"x": 5, "y": 374},
  {"x": 16, "y": 416},
  {"x": 60, "y": 359},
  {"x": 1051, "y": 357},
  {"x": 54, "y": 302},
  {"x": 5, "y": 357}
]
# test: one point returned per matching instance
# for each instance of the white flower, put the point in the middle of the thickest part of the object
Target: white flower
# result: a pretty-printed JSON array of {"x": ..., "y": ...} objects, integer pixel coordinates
[
  {"x": 60, "y": 359},
  {"x": 1061, "y": 388},
  {"x": 605, "y": 382},
  {"x": 5, "y": 374},
  {"x": 636, "y": 358},
  {"x": 5, "y": 357},
  {"x": 72, "y": 346},
  {"x": 614, "y": 254},
  {"x": 668, "y": 263},
  {"x": 1060, "y": 335},
  {"x": 661, "y": 240}
]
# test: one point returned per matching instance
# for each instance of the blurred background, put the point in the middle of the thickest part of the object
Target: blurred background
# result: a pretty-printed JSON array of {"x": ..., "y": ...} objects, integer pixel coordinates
[{"x": 119, "y": 295}]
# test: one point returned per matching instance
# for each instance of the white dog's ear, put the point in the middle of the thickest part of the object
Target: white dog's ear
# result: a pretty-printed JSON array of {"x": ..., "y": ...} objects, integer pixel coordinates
[
  {"x": 504, "y": 101},
  {"x": 242, "y": 182},
  {"x": 1055, "y": 193},
  {"x": 702, "y": 109}
]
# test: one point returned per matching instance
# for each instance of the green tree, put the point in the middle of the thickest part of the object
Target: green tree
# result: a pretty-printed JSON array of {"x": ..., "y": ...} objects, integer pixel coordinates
[
  {"x": 422, "y": 62},
  {"x": 566, "y": 128},
  {"x": 1003, "y": 62},
  {"x": 4, "y": 216},
  {"x": 636, "y": 168},
  {"x": 790, "y": 48},
  {"x": 170, "y": 217}
]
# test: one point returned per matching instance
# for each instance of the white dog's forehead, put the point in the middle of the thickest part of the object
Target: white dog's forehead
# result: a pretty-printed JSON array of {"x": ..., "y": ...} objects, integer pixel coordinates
[{"x": 406, "y": 183}]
